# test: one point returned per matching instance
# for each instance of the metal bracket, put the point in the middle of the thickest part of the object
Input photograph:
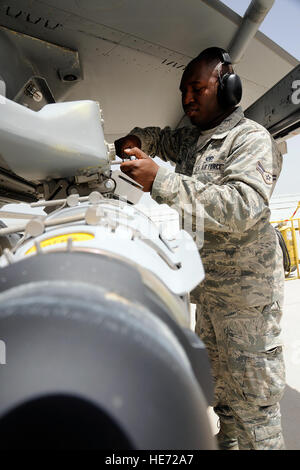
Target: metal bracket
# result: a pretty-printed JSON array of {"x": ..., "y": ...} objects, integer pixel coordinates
[
  {"x": 39, "y": 58},
  {"x": 35, "y": 94},
  {"x": 126, "y": 187}
]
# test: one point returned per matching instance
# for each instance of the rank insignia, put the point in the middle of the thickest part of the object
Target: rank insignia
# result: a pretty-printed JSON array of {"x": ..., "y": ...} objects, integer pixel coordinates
[{"x": 267, "y": 176}]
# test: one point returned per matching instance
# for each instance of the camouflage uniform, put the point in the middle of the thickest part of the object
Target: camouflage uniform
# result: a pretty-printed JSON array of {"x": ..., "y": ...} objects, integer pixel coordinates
[{"x": 232, "y": 174}]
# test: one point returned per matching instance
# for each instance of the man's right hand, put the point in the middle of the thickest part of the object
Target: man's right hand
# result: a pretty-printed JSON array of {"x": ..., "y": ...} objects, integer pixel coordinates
[{"x": 127, "y": 142}]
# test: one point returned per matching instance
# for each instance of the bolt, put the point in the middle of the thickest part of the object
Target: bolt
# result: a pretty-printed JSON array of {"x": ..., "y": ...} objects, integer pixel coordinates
[
  {"x": 95, "y": 197},
  {"x": 109, "y": 184},
  {"x": 37, "y": 96},
  {"x": 70, "y": 77},
  {"x": 93, "y": 215},
  {"x": 69, "y": 244},
  {"x": 38, "y": 247},
  {"x": 73, "y": 200},
  {"x": 35, "y": 227},
  {"x": 32, "y": 91},
  {"x": 73, "y": 191}
]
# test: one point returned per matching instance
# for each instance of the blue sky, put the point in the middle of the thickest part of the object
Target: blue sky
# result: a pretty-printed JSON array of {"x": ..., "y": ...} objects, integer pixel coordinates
[{"x": 282, "y": 26}]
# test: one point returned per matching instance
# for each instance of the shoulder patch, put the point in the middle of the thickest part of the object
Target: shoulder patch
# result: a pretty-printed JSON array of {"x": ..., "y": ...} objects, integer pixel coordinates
[{"x": 267, "y": 176}]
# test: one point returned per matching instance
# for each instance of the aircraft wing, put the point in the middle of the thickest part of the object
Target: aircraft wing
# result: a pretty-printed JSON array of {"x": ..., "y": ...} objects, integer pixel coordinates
[{"x": 130, "y": 54}]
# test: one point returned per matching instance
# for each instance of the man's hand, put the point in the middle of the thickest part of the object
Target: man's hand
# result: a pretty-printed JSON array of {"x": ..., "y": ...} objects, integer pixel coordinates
[
  {"x": 127, "y": 142},
  {"x": 143, "y": 170}
]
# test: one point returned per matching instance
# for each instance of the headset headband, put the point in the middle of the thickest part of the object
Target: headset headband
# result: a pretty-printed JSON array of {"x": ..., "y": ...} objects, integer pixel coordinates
[
  {"x": 224, "y": 60},
  {"x": 225, "y": 57}
]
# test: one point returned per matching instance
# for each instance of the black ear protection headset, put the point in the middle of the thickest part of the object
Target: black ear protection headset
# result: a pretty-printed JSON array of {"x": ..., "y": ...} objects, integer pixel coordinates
[{"x": 230, "y": 84}]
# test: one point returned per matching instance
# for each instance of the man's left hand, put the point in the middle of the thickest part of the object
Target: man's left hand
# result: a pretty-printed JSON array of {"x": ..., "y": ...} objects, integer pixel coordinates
[{"x": 143, "y": 170}]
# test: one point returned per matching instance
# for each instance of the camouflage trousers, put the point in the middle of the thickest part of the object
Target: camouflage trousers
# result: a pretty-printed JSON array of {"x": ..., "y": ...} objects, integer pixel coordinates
[{"x": 246, "y": 356}]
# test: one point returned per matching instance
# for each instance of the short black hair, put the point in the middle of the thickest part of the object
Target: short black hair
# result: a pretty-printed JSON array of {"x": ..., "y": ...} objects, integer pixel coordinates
[{"x": 211, "y": 56}]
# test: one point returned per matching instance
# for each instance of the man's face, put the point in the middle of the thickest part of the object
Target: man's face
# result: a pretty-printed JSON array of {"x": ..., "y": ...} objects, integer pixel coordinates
[{"x": 199, "y": 86}]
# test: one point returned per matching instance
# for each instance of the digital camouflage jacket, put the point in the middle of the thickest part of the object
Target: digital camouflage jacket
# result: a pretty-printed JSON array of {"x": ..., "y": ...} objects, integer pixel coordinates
[{"x": 231, "y": 175}]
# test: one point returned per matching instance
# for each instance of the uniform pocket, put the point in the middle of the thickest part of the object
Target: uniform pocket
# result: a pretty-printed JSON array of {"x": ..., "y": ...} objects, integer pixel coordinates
[
  {"x": 263, "y": 432},
  {"x": 264, "y": 377},
  {"x": 254, "y": 354}
]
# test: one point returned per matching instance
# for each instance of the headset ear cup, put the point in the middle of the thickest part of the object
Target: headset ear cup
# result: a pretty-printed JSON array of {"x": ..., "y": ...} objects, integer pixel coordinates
[{"x": 229, "y": 90}]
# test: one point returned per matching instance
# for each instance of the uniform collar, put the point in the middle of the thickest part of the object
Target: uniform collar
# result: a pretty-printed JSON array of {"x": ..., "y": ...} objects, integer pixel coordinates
[
  {"x": 229, "y": 123},
  {"x": 221, "y": 131}
]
